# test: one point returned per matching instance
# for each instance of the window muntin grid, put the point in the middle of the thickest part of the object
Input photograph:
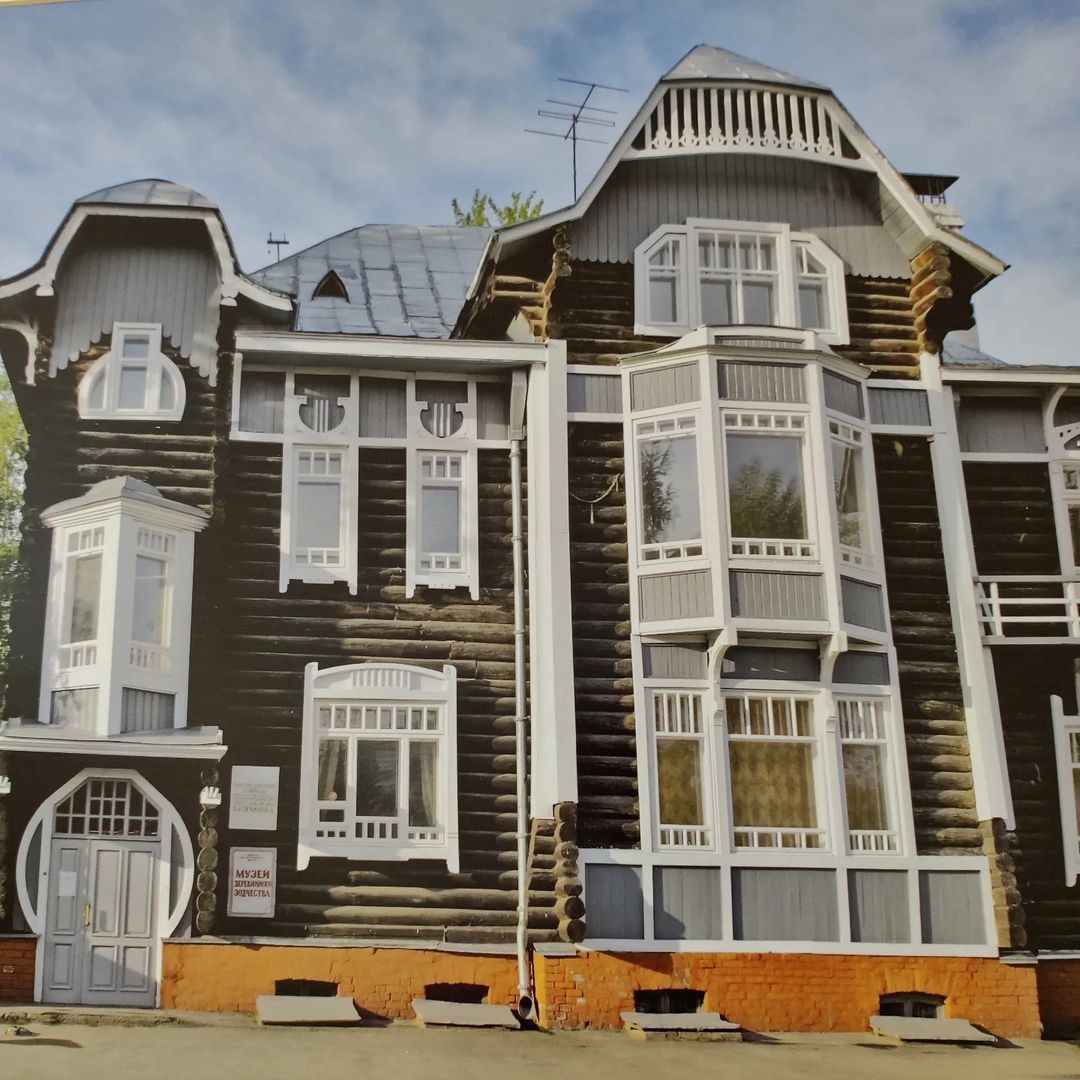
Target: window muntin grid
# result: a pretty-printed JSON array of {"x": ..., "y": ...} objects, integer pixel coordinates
[
  {"x": 864, "y": 748},
  {"x": 107, "y": 807},
  {"x": 738, "y": 278},
  {"x": 773, "y": 765},
  {"x": 681, "y": 769}
]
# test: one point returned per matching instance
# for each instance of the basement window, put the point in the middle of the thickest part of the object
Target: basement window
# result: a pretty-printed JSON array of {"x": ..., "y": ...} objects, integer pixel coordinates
[
  {"x": 669, "y": 1001},
  {"x": 917, "y": 1006},
  {"x": 305, "y": 988},
  {"x": 460, "y": 993},
  {"x": 134, "y": 380}
]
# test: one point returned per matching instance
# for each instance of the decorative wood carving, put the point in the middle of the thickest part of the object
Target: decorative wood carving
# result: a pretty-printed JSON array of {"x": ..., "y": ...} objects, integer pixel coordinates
[{"x": 207, "y": 860}]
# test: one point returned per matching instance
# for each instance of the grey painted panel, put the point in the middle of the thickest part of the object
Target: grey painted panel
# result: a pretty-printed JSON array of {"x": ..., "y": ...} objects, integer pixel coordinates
[
  {"x": 785, "y": 905},
  {"x": 839, "y": 205},
  {"x": 866, "y": 668},
  {"x": 1001, "y": 425},
  {"x": 614, "y": 905},
  {"x": 493, "y": 410},
  {"x": 754, "y": 662},
  {"x": 175, "y": 286},
  {"x": 737, "y": 341},
  {"x": 741, "y": 381},
  {"x": 676, "y": 596},
  {"x": 763, "y": 594},
  {"x": 951, "y": 905},
  {"x": 593, "y": 393},
  {"x": 843, "y": 395},
  {"x": 862, "y": 604},
  {"x": 146, "y": 710},
  {"x": 674, "y": 661},
  {"x": 382, "y": 408},
  {"x": 899, "y": 408},
  {"x": 686, "y": 903},
  {"x": 879, "y": 905},
  {"x": 676, "y": 385},
  {"x": 262, "y": 401}
]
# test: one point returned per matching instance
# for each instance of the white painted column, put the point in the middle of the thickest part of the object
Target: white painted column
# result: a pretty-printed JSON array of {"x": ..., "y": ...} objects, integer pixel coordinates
[
  {"x": 982, "y": 712},
  {"x": 551, "y": 646}
]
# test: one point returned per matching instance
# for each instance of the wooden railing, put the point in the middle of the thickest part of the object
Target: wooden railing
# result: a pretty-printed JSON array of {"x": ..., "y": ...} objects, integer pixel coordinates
[{"x": 1029, "y": 609}]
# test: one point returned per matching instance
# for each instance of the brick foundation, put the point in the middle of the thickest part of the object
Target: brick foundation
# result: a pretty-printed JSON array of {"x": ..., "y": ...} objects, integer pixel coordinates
[
  {"x": 17, "y": 956},
  {"x": 761, "y": 991},
  {"x": 1059, "y": 996},
  {"x": 787, "y": 991}
]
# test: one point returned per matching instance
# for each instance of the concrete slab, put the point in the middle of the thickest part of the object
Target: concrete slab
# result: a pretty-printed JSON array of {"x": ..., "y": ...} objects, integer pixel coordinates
[
  {"x": 925, "y": 1030},
  {"x": 701, "y": 1026},
  {"x": 456, "y": 1014},
  {"x": 310, "y": 1011}
]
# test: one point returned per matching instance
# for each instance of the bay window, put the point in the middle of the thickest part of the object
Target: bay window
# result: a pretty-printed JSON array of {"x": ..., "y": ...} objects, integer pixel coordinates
[
  {"x": 670, "y": 498},
  {"x": 716, "y": 273},
  {"x": 379, "y": 775},
  {"x": 846, "y": 444}
]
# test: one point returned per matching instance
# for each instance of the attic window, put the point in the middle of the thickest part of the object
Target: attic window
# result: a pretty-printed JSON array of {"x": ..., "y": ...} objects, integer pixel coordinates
[
  {"x": 331, "y": 288},
  {"x": 134, "y": 380}
]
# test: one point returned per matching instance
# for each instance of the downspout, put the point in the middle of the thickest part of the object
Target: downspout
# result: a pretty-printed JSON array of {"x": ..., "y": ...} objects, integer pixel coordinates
[{"x": 517, "y": 542}]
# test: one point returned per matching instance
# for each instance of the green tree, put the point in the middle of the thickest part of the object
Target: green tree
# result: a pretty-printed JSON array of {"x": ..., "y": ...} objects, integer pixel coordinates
[
  {"x": 12, "y": 466},
  {"x": 764, "y": 506},
  {"x": 657, "y": 497},
  {"x": 486, "y": 211}
]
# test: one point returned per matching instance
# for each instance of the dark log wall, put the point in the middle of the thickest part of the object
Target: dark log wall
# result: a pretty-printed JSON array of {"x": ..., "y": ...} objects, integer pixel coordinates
[
  {"x": 271, "y": 636},
  {"x": 1026, "y": 677},
  {"x": 939, "y": 763}
]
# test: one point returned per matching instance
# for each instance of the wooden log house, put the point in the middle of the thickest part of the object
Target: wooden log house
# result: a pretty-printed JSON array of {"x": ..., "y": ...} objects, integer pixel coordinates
[{"x": 662, "y": 594}]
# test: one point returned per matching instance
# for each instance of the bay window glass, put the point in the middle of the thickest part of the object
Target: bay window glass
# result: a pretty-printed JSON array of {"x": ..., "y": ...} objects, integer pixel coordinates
[
  {"x": 680, "y": 764},
  {"x": 666, "y": 272},
  {"x": 864, "y": 747},
  {"x": 849, "y": 492},
  {"x": 670, "y": 515},
  {"x": 85, "y": 595},
  {"x": 772, "y": 763},
  {"x": 151, "y": 595},
  {"x": 766, "y": 489},
  {"x": 812, "y": 288}
]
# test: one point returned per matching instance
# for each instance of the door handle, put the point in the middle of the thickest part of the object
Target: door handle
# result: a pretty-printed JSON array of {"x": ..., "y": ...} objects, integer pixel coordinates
[{"x": 86, "y": 916}]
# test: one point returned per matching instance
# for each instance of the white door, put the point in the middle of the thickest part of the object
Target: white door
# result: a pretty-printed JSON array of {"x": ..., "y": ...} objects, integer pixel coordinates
[{"x": 101, "y": 921}]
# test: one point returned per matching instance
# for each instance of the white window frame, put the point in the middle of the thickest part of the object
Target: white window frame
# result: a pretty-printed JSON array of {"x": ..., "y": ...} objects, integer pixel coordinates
[
  {"x": 306, "y": 565},
  {"x": 121, "y": 529},
  {"x": 159, "y": 370},
  {"x": 399, "y": 688},
  {"x": 852, "y": 435},
  {"x": 786, "y": 275},
  {"x": 1067, "y": 758}
]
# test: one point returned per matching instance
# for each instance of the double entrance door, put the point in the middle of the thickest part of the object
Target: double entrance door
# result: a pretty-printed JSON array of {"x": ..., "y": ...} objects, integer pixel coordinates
[{"x": 101, "y": 939}]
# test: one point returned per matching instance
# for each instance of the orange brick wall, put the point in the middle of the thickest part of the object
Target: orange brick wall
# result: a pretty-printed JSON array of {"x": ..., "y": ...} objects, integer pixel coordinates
[
  {"x": 1059, "y": 996},
  {"x": 787, "y": 991},
  {"x": 228, "y": 978},
  {"x": 17, "y": 969}
]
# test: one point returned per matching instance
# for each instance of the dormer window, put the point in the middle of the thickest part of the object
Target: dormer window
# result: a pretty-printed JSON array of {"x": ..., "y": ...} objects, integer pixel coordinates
[
  {"x": 133, "y": 380},
  {"x": 331, "y": 287},
  {"x": 715, "y": 273}
]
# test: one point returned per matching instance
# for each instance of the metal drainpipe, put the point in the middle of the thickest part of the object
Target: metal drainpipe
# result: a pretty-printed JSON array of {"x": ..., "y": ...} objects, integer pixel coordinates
[{"x": 525, "y": 997}]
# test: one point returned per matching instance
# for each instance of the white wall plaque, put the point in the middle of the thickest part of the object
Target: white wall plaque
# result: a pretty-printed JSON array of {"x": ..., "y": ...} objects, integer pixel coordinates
[
  {"x": 252, "y": 882},
  {"x": 253, "y": 797}
]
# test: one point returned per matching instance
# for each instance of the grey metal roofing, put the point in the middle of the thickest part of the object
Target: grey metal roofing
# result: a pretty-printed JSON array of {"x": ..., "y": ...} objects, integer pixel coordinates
[
  {"x": 955, "y": 352},
  {"x": 151, "y": 192},
  {"x": 402, "y": 280},
  {"x": 710, "y": 62}
]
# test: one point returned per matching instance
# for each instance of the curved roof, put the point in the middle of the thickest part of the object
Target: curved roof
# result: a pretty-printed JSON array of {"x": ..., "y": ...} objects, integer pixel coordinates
[
  {"x": 710, "y": 62},
  {"x": 150, "y": 192}
]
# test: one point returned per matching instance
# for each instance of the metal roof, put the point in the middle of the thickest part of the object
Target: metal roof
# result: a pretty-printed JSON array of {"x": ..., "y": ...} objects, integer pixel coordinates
[
  {"x": 710, "y": 62},
  {"x": 151, "y": 192},
  {"x": 956, "y": 352},
  {"x": 402, "y": 280}
]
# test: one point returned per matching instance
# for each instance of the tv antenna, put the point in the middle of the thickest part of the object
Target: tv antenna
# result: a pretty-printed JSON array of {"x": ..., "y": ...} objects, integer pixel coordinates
[
  {"x": 278, "y": 244},
  {"x": 577, "y": 116}
]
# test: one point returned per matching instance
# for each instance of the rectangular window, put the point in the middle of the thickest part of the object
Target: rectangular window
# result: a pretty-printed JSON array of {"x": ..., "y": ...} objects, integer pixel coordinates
[
  {"x": 133, "y": 380},
  {"x": 665, "y": 271},
  {"x": 812, "y": 278},
  {"x": 849, "y": 494},
  {"x": 766, "y": 486},
  {"x": 772, "y": 760},
  {"x": 149, "y": 612},
  {"x": 317, "y": 509},
  {"x": 680, "y": 769},
  {"x": 738, "y": 278},
  {"x": 864, "y": 748},
  {"x": 1071, "y": 478},
  {"x": 441, "y": 501},
  {"x": 85, "y": 597},
  {"x": 670, "y": 500}
]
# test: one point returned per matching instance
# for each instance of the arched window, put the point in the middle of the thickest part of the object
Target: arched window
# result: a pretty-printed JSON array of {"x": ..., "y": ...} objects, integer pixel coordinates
[
  {"x": 134, "y": 380},
  {"x": 330, "y": 288}
]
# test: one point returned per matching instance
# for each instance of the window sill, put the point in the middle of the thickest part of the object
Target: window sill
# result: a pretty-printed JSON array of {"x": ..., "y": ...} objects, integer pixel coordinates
[{"x": 360, "y": 852}]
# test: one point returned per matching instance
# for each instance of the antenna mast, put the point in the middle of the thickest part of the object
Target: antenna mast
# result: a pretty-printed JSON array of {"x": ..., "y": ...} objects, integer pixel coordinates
[
  {"x": 576, "y": 116},
  {"x": 277, "y": 244}
]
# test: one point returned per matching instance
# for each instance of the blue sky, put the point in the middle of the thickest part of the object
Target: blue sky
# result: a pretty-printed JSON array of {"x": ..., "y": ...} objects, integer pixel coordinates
[{"x": 308, "y": 117}]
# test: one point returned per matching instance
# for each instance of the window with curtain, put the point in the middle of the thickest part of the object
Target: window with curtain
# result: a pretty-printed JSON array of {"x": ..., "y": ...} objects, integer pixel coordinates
[
  {"x": 773, "y": 762},
  {"x": 681, "y": 767},
  {"x": 864, "y": 749}
]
